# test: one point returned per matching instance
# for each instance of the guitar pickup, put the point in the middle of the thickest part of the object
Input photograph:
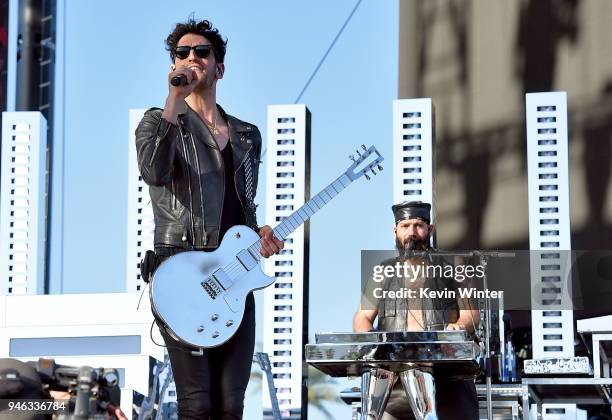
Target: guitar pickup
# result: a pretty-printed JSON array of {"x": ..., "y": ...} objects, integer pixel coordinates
[
  {"x": 246, "y": 259},
  {"x": 222, "y": 279}
]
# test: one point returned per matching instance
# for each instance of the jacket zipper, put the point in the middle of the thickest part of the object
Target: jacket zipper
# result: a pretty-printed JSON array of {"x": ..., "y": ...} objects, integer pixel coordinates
[
  {"x": 173, "y": 205},
  {"x": 189, "y": 184},
  {"x": 154, "y": 154},
  {"x": 197, "y": 161}
]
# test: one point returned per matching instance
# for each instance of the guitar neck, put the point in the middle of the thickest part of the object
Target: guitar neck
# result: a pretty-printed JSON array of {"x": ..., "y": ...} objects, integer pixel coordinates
[{"x": 301, "y": 215}]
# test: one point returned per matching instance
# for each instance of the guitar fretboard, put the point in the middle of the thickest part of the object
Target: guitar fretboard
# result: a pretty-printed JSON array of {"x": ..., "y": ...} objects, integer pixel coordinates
[{"x": 298, "y": 217}]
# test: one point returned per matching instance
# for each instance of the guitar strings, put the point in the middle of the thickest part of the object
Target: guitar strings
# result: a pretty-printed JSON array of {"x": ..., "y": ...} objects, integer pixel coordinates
[{"x": 233, "y": 268}]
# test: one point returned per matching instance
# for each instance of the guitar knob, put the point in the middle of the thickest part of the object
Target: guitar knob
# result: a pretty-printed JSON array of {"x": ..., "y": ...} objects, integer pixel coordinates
[
  {"x": 201, "y": 328},
  {"x": 215, "y": 334},
  {"x": 214, "y": 317},
  {"x": 229, "y": 323}
]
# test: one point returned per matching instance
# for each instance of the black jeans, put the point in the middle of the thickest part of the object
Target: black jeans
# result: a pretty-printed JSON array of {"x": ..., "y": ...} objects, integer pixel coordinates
[{"x": 212, "y": 386}]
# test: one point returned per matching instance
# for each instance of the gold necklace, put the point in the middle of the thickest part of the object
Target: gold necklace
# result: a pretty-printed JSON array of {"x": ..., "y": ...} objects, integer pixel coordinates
[{"x": 213, "y": 127}]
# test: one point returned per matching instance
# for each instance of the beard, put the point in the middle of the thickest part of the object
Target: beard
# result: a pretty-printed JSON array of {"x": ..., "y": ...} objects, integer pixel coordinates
[{"x": 411, "y": 245}]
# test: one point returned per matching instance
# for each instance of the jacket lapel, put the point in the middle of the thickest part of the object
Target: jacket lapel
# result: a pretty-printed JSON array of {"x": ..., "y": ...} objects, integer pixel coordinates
[
  {"x": 240, "y": 139},
  {"x": 194, "y": 120}
]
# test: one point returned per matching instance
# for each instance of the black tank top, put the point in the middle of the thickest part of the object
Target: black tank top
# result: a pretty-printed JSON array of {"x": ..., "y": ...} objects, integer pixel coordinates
[{"x": 232, "y": 213}]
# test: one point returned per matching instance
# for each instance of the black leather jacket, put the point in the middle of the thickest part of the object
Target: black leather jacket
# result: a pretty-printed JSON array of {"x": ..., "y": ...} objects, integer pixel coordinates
[{"x": 184, "y": 168}]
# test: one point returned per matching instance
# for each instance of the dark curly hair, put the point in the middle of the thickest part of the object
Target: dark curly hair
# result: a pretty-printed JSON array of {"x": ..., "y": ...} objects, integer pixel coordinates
[{"x": 204, "y": 28}]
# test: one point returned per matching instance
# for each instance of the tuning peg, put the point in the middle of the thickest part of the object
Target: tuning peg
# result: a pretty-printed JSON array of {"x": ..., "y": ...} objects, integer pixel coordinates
[
  {"x": 380, "y": 168},
  {"x": 367, "y": 177},
  {"x": 373, "y": 171},
  {"x": 358, "y": 152},
  {"x": 364, "y": 147},
  {"x": 351, "y": 157}
]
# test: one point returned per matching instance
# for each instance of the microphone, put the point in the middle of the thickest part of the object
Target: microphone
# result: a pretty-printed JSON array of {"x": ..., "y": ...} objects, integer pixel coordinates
[
  {"x": 179, "y": 80},
  {"x": 409, "y": 248},
  {"x": 411, "y": 245}
]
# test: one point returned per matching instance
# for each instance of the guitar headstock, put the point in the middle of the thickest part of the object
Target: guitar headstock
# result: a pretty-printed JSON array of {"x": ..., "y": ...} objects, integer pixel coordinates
[{"x": 367, "y": 160}]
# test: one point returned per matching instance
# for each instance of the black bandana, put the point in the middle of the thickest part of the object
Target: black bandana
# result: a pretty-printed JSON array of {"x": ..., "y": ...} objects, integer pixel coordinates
[{"x": 412, "y": 210}]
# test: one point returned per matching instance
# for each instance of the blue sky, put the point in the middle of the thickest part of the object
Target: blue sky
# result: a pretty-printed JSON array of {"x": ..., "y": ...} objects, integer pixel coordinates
[{"x": 115, "y": 60}]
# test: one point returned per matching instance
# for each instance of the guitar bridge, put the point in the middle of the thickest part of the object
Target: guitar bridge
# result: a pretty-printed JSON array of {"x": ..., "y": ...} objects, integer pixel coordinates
[{"x": 211, "y": 287}]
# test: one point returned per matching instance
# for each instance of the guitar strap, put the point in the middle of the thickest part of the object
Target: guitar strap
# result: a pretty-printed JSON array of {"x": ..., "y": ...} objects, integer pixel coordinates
[
  {"x": 163, "y": 329},
  {"x": 248, "y": 182}
]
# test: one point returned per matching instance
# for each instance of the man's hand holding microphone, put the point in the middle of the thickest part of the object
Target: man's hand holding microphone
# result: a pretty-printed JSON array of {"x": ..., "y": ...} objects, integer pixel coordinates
[{"x": 181, "y": 82}]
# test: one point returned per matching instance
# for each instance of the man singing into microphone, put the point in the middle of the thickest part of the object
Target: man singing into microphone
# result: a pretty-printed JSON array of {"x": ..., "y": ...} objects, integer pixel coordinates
[
  {"x": 455, "y": 400},
  {"x": 202, "y": 167}
]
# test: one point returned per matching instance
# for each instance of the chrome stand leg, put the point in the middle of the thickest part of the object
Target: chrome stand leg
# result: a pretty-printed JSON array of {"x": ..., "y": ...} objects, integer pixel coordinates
[
  {"x": 525, "y": 401},
  {"x": 376, "y": 387},
  {"x": 421, "y": 392}
]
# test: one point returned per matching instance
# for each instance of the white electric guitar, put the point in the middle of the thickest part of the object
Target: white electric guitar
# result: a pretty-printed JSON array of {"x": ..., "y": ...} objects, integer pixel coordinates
[{"x": 200, "y": 296}]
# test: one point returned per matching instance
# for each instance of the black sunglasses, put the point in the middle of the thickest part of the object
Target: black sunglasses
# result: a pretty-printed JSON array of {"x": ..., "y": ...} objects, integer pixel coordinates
[{"x": 201, "y": 51}]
